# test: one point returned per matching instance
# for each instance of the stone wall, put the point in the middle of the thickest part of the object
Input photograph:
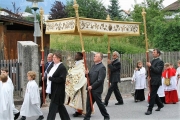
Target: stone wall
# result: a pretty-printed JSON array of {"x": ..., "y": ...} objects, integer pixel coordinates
[{"x": 28, "y": 57}]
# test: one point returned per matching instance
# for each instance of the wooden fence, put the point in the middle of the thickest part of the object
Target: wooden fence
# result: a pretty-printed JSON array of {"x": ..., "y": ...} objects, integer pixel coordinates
[
  {"x": 128, "y": 61},
  {"x": 14, "y": 71}
]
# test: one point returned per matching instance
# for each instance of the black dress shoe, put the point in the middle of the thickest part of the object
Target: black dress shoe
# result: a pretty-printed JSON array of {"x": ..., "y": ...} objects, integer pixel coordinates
[
  {"x": 107, "y": 118},
  {"x": 159, "y": 108},
  {"x": 148, "y": 112},
  {"x": 23, "y": 118},
  {"x": 76, "y": 114},
  {"x": 105, "y": 104},
  {"x": 40, "y": 117},
  {"x": 119, "y": 103},
  {"x": 16, "y": 115}
]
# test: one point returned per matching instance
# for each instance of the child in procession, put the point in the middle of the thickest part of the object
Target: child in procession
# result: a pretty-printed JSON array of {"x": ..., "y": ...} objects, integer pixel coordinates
[
  {"x": 31, "y": 103},
  {"x": 6, "y": 97},
  {"x": 139, "y": 77}
]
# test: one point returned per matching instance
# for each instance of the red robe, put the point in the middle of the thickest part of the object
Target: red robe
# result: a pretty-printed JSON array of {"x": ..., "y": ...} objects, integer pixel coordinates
[{"x": 170, "y": 96}]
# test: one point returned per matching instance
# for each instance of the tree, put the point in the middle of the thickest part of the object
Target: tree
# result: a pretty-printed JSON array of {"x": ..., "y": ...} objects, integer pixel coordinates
[
  {"x": 87, "y": 8},
  {"x": 114, "y": 10},
  {"x": 57, "y": 10},
  {"x": 154, "y": 13},
  {"x": 15, "y": 12},
  {"x": 28, "y": 9},
  {"x": 167, "y": 35}
]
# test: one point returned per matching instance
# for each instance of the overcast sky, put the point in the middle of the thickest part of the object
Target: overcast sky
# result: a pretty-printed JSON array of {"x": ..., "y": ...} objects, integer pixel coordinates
[
  {"x": 127, "y": 4},
  {"x": 124, "y": 4}
]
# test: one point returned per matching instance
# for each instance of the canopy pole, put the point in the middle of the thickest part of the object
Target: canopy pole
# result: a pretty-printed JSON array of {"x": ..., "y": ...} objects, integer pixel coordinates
[
  {"x": 42, "y": 53},
  {"x": 76, "y": 6},
  {"x": 109, "y": 51},
  {"x": 147, "y": 50},
  {"x": 109, "y": 57}
]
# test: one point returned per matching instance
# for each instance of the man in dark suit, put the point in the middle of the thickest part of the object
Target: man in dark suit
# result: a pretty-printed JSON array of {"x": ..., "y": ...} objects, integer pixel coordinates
[
  {"x": 97, "y": 75},
  {"x": 156, "y": 67},
  {"x": 57, "y": 75},
  {"x": 44, "y": 78},
  {"x": 115, "y": 67}
]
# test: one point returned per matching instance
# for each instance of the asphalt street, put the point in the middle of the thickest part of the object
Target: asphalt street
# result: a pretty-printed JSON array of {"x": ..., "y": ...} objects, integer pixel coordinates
[{"x": 128, "y": 111}]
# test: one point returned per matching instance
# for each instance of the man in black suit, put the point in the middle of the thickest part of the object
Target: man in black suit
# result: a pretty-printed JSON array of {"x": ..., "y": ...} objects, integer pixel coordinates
[
  {"x": 44, "y": 78},
  {"x": 115, "y": 67},
  {"x": 156, "y": 67},
  {"x": 57, "y": 75},
  {"x": 97, "y": 75}
]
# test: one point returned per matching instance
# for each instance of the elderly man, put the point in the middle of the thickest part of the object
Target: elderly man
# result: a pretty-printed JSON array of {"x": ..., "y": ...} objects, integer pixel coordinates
[
  {"x": 48, "y": 63},
  {"x": 115, "y": 67},
  {"x": 97, "y": 75}
]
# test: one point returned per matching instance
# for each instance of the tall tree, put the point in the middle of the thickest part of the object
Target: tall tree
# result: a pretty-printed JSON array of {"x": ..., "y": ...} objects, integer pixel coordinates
[
  {"x": 154, "y": 12},
  {"x": 87, "y": 8},
  {"x": 57, "y": 10},
  {"x": 28, "y": 9},
  {"x": 114, "y": 10}
]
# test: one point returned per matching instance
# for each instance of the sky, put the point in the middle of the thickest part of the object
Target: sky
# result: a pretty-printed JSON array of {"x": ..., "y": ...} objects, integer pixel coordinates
[
  {"x": 127, "y": 4},
  {"x": 46, "y": 5}
]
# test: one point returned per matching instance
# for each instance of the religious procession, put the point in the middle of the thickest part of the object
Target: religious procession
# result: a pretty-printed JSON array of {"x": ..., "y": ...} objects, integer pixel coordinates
[{"x": 80, "y": 91}]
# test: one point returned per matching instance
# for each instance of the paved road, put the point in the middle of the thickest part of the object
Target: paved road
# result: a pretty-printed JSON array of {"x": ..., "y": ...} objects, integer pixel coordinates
[{"x": 129, "y": 111}]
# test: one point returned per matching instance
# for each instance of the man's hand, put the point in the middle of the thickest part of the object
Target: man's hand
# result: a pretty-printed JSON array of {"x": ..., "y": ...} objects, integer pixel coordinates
[
  {"x": 89, "y": 87},
  {"x": 149, "y": 79},
  {"x": 148, "y": 64},
  {"x": 42, "y": 62},
  {"x": 109, "y": 61},
  {"x": 42, "y": 78},
  {"x": 86, "y": 71}
]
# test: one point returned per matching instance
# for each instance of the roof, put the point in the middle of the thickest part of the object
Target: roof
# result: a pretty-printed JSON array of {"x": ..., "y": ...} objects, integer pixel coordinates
[
  {"x": 17, "y": 21},
  {"x": 173, "y": 7}
]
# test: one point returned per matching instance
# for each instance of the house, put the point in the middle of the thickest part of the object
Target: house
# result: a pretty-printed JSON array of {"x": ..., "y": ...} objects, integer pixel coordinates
[
  {"x": 13, "y": 29},
  {"x": 173, "y": 8}
]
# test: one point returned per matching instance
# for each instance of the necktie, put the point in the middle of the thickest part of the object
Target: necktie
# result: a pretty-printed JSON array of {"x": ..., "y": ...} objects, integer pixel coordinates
[{"x": 46, "y": 65}]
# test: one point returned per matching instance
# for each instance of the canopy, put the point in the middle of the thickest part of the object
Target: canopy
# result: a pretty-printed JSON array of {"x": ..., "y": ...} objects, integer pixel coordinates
[{"x": 92, "y": 27}]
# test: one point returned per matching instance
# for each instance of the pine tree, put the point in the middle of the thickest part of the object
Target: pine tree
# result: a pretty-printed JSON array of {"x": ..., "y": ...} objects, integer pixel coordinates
[{"x": 114, "y": 10}]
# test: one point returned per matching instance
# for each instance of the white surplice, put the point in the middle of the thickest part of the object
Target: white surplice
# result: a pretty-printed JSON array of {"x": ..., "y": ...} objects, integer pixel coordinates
[
  {"x": 140, "y": 78},
  {"x": 160, "y": 91},
  {"x": 178, "y": 82},
  {"x": 6, "y": 97},
  {"x": 9, "y": 81},
  {"x": 31, "y": 103}
]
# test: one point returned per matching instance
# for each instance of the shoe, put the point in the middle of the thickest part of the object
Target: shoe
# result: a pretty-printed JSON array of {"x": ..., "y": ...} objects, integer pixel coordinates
[
  {"x": 105, "y": 104},
  {"x": 16, "y": 115},
  {"x": 159, "y": 108},
  {"x": 76, "y": 114},
  {"x": 40, "y": 117},
  {"x": 23, "y": 118},
  {"x": 119, "y": 103},
  {"x": 148, "y": 112},
  {"x": 107, "y": 118}
]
